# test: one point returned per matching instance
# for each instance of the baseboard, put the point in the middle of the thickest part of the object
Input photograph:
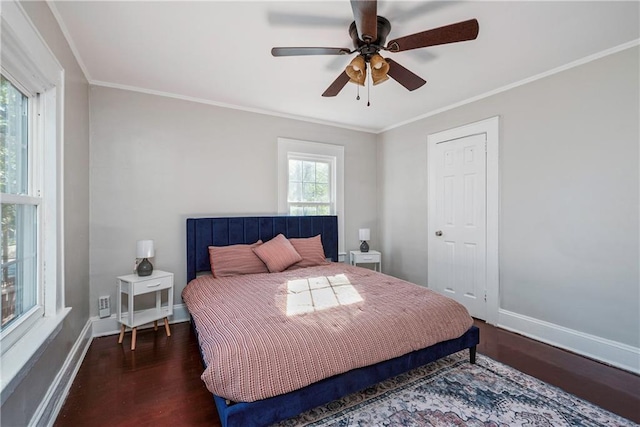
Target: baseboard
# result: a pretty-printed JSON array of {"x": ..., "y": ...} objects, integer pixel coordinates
[
  {"x": 613, "y": 353},
  {"x": 111, "y": 326},
  {"x": 47, "y": 411}
]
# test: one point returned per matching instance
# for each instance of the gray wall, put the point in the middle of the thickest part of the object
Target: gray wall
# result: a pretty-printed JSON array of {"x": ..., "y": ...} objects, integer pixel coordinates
[
  {"x": 20, "y": 406},
  {"x": 569, "y": 188},
  {"x": 156, "y": 161}
]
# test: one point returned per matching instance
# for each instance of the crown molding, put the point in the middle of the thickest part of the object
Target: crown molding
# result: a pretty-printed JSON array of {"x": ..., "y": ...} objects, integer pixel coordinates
[
  {"x": 225, "y": 105},
  {"x": 67, "y": 36},
  {"x": 522, "y": 82}
]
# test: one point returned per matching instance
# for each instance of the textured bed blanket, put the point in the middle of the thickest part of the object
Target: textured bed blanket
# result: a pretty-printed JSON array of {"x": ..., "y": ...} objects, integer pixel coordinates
[{"x": 262, "y": 335}]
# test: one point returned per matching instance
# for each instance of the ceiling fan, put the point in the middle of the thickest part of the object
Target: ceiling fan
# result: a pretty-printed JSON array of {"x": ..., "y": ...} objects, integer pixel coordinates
[{"x": 369, "y": 33}]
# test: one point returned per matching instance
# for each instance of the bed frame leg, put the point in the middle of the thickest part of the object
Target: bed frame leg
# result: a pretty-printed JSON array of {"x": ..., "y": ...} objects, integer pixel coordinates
[{"x": 472, "y": 354}]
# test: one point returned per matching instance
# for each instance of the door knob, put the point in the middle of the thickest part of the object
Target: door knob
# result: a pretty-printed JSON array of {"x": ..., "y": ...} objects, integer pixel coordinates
[{"x": 438, "y": 233}]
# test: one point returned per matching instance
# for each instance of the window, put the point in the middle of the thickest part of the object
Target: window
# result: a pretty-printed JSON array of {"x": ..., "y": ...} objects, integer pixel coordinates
[
  {"x": 19, "y": 209},
  {"x": 311, "y": 180},
  {"x": 310, "y": 189},
  {"x": 31, "y": 100}
]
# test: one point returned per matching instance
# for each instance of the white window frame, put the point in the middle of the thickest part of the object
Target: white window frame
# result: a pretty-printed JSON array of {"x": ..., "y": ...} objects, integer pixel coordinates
[
  {"x": 313, "y": 151},
  {"x": 31, "y": 66}
]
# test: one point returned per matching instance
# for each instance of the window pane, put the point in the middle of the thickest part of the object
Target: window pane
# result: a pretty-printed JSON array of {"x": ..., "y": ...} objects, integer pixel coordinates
[
  {"x": 296, "y": 210},
  {"x": 295, "y": 192},
  {"x": 295, "y": 170},
  {"x": 322, "y": 193},
  {"x": 308, "y": 171},
  {"x": 13, "y": 139},
  {"x": 19, "y": 260},
  {"x": 308, "y": 192},
  {"x": 324, "y": 210},
  {"x": 310, "y": 210},
  {"x": 322, "y": 173}
]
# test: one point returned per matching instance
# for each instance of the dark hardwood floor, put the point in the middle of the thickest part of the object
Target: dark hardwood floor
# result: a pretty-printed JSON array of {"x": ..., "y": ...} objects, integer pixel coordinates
[{"x": 159, "y": 383}]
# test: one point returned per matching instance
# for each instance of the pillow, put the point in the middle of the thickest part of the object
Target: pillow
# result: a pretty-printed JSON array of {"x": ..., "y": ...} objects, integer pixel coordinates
[
  {"x": 277, "y": 253},
  {"x": 311, "y": 251},
  {"x": 234, "y": 260}
]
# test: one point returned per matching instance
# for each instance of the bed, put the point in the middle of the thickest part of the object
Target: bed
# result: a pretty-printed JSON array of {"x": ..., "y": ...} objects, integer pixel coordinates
[{"x": 287, "y": 393}]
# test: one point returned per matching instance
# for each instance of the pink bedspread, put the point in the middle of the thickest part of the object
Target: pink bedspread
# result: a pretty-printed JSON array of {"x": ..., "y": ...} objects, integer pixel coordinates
[{"x": 262, "y": 335}]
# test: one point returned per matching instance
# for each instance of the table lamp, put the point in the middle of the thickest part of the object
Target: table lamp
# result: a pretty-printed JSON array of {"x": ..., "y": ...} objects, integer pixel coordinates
[
  {"x": 365, "y": 234},
  {"x": 145, "y": 250}
]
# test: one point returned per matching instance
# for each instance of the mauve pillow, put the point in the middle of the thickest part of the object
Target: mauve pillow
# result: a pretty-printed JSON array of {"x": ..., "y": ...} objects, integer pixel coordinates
[
  {"x": 311, "y": 251},
  {"x": 277, "y": 253},
  {"x": 234, "y": 260}
]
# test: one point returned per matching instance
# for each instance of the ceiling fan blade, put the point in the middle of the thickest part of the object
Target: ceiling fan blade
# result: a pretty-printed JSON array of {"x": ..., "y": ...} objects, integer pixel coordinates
[
  {"x": 337, "y": 85},
  {"x": 461, "y": 31},
  {"x": 403, "y": 76},
  {"x": 365, "y": 13},
  {"x": 300, "y": 51}
]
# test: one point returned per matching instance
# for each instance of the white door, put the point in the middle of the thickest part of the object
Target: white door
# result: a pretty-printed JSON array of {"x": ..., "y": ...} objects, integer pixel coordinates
[{"x": 457, "y": 231}]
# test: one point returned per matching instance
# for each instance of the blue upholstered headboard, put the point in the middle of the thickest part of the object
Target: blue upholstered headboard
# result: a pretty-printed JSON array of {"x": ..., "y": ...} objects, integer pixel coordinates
[{"x": 205, "y": 232}]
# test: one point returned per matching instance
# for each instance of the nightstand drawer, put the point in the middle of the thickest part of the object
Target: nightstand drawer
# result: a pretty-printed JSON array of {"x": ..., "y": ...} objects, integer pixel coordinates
[
  {"x": 151, "y": 285},
  {"x": 364, "y": 258}
]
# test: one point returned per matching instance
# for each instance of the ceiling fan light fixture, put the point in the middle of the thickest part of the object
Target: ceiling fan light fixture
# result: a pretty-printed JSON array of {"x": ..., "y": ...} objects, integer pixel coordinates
[
  {"x": 369, "y": 33},
  {"x": 357, "y": 70},
  {"x": 379, "y": 69}
]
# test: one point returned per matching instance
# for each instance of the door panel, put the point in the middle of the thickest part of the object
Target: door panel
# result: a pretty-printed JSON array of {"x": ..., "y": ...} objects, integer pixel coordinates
[{"x": 457, "y": 266}]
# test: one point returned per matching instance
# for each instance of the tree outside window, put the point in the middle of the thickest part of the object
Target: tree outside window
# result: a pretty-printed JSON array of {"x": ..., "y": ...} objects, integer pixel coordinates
[
  {"x": 309, "y": 187},
  {"x": 19, "y": 223}
]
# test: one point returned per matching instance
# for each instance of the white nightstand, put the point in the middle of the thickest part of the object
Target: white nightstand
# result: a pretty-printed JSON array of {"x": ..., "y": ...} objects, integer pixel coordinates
[
  {"x": 134, "y": 285},
  {"x": 371, "y": 257}
]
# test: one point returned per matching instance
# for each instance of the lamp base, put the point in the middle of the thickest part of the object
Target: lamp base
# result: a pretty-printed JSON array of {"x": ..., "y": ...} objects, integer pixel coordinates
[
  {"x": 364, "y": 246},
  {"x": 145, "y": 268}
]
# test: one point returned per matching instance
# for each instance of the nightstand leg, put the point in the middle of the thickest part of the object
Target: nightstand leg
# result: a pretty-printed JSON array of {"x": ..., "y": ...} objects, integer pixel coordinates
[
  {"x": 121, "y": 337},
  {"x": 166, "y": 327},
  {"x": 155, "y": 325},
  {"x": 133, "y": 338}
]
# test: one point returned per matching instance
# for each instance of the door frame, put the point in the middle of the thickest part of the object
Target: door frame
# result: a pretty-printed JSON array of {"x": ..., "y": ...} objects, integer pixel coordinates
[{"x": 491, "y": 128}]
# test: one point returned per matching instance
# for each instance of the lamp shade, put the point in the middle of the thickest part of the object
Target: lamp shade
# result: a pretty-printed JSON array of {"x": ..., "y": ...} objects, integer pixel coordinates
[
  {"x": 357, "y": 70},
  {"x": 145, "y": 249},
  {"x": 365, "y": 234},
  {"x": 379, "y": 69}
]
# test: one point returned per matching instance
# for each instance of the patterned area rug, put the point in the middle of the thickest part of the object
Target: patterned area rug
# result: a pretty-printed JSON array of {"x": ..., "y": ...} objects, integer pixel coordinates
[{"x": 452, "y": 392}]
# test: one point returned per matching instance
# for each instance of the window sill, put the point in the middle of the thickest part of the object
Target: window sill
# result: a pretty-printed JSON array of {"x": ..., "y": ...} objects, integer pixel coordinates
[{"x": 20, "y": 358}]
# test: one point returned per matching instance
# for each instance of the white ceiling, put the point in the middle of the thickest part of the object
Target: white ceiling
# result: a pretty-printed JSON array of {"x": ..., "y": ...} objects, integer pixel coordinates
[{"x": 219, "y": 52}]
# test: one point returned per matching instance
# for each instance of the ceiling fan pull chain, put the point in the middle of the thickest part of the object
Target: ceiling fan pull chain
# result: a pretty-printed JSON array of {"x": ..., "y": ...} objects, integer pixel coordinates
[
  {"x": 357, "y": 92},
  {"x": 368, "y": 88}
]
